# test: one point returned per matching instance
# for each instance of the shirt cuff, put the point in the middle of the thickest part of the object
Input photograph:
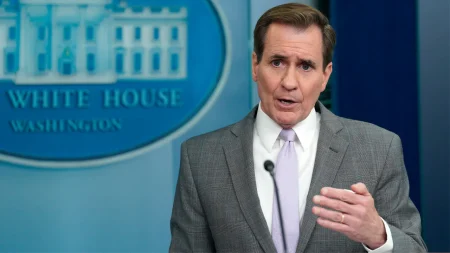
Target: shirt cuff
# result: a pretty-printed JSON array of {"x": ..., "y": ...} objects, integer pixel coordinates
[{"x": 388, "y": 246}]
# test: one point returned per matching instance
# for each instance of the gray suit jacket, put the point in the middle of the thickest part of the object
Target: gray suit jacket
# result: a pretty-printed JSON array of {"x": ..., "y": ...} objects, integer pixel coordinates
[{"x": 217, "y": 209}]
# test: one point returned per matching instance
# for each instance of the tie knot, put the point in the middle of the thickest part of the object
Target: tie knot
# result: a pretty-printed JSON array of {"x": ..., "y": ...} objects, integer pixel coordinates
[{"x": 287, "y": 135}]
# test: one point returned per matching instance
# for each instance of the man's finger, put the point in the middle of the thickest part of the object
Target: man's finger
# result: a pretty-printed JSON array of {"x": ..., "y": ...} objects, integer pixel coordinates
[
  {"x": 339, "y": 217},
  {"x": 342, "y": 195},
  {"x": 360, "y": 188},
  {"x": 338, "y": 227},
  {"x": 329, "y": 214},
  {"x": 334, "y": 204}
]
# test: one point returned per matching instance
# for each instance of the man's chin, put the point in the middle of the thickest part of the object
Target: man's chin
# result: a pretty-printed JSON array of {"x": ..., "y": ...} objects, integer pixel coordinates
[
  {"x": 286, "y": 123},
  {"x": 288, "y": 119}
]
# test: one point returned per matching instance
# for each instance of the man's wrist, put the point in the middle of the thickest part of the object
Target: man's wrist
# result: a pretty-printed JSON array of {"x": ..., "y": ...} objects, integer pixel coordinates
[{"x": 380, "y": 239}]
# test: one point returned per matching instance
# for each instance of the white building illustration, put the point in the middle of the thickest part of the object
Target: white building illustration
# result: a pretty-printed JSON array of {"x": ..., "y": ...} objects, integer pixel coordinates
[{"x": 90, "y": 41}]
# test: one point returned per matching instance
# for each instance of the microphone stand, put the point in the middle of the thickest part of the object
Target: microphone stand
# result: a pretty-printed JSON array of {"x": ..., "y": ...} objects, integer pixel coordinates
[{"x": 269, "y": 166}]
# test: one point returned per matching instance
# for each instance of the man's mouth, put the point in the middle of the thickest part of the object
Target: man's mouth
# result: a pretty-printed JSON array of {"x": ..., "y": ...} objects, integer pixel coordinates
[{"x": 286, "y": 101}]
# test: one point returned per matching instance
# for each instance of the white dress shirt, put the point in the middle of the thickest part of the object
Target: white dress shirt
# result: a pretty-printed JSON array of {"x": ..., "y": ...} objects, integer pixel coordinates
[{"x": 267, "y": 145}]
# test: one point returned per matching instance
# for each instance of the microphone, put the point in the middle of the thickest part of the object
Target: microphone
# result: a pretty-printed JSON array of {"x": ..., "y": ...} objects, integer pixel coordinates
[{"x": 269, "y": 167}]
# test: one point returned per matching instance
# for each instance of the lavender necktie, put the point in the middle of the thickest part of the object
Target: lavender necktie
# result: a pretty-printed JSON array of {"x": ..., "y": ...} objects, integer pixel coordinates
[{"x": 286, "y": 176}]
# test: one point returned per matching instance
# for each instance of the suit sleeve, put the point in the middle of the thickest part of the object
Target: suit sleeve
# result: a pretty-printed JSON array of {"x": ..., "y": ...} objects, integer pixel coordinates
[
  {"x": 188, "y": 225},
  {"x": 394, "y": 205}
]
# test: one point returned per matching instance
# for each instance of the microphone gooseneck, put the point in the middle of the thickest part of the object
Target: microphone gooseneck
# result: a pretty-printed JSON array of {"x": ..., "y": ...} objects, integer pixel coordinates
[{"x": 270, "y": 167}]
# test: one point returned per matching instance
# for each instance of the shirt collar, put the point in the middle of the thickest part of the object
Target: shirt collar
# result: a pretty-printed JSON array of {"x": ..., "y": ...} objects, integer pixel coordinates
[{"x": 268, "y": 130}]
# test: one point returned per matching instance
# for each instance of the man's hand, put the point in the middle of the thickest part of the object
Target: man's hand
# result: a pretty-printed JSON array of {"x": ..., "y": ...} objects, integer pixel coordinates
[{"x": 351, "y": 213}]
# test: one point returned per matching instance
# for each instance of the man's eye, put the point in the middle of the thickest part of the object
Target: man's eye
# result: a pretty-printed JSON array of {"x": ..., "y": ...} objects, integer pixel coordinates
[
  {"x": 276, "y": 63},
  {"x": 306, "y": 67}
]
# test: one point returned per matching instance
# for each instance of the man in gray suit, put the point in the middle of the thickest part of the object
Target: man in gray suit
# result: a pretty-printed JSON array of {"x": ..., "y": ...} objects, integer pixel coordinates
[{"x": 350, "y": 183}]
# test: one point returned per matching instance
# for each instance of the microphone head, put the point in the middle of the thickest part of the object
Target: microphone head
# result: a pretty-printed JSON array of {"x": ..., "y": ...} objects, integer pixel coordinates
[{"x": 269, "y": 166}]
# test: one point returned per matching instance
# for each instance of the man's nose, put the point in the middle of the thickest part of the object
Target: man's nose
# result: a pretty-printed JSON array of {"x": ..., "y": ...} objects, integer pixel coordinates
[{"x": 290, "y": 79}]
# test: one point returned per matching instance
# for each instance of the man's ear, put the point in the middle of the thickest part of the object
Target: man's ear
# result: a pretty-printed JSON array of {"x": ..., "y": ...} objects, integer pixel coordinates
[
  {"x": 254, "y": 67},
  {"x": 326, "y": 75}
]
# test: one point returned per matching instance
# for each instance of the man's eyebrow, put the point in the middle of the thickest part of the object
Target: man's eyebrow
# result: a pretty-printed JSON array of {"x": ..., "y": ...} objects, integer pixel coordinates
[
  {"x": 308, "y": 61},
  {"x": 277, "y": 56}
]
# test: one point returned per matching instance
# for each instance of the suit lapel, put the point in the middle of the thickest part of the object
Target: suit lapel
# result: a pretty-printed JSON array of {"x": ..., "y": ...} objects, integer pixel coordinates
[
  {"x": 330, "y": 152},
  {"x": 239, "y": 155}
]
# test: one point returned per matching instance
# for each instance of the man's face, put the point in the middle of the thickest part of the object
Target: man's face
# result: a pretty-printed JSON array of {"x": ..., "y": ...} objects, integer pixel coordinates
[{"x": 290, "y": 75}]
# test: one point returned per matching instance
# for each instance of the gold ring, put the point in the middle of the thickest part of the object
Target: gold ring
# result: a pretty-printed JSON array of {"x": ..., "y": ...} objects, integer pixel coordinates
[{"x": 342, "y": 218}]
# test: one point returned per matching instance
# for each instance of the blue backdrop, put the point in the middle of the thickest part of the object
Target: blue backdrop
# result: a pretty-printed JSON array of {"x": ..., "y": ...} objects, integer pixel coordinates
[{"x": 120, "y": 203}]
